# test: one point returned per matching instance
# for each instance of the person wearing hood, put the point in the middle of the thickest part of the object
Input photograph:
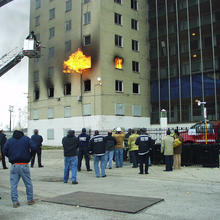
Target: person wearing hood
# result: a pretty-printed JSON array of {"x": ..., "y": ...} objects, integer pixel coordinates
[
  {"x": 110, "y": 143},
  {"x": 19, "y": 150},
  {"x": 97, "y": 148},
  {"x": 70, "y": 146},
  {"x": 83, "y": 139},
  {"x": 3, "y": 139},
  {"x": 119, "y": 149}
]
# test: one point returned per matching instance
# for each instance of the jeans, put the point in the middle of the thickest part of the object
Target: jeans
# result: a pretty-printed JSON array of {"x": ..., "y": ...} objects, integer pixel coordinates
[
  {"x": 169, "y": 162},
  {"x": 96, "y": 165},
  {"x": 134, "y": 158},
  {"x": 38, "y": 152},
  {"x": 119, "y": 157},
  {"x": 17, "y": 172},
  {"x": 108, "y": 158},
  {"x": 83, "y": 151},
  {"x": 144, "y": 159},
  {"x": 70, "y": 163}
]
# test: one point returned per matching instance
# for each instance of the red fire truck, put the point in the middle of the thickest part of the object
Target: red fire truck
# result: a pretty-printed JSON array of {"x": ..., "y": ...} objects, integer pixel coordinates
[{"x": 197, "y": 134}]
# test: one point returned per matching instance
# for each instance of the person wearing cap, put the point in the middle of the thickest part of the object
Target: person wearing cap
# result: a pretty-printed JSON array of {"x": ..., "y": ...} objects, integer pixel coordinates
[
  {"x": 70, "y": 146},
  {"x": 119, "y": 148},
  {"x": 133, "y": 148},
  {"x": 37, "y": 139},
  {"x": 126, "y": 146},
  {"x": 97, "y": 148},
  {"x": 19, "y": 150},
  {"x": 83, "y": 139},
  {"x": 144, "y": 143},
  {"x": 110, "y": 143},
  {"x": 3, "y": 139}
]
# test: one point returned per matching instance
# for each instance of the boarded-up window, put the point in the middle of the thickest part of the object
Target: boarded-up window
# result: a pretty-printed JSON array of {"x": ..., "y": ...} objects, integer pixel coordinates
[
  {"x": 67, "y": 111},
  {"x": 50, "y": 113},
  {"x": 87, "y": 109},
  {"x": 50, "y": 134},
  {"x": 119, "y": 109},
  {"x": 136, "y": 110},
  {"x": 35, "y": 114}
]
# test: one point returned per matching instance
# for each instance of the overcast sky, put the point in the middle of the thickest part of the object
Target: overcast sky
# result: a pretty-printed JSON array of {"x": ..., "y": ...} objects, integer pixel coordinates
[{"x": 14, "y": 27}]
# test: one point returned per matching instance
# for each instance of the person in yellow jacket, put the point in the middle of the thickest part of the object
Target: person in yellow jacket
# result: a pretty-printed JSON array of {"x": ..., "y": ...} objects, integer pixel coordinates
[
  {"x": 133, "y": 148},
  {"x": 119, "y": 147}
]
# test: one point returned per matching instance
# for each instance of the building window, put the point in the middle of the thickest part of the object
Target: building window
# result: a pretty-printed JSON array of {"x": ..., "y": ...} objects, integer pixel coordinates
[
  {"x": 67, "y": 112},
  {"x": 52, "y": 13},
  {"x": 87, "y": 18},
  {"x": 134, "y": 24},
  {"x": 136, "y": 88},
  {"x": 87, "y": 109},
  {"x": 68, "y": 5},
  {"x": 134, "y": 4},
  {"x": 50, "y": 113},
  {"x": 119, "y": 63},
  {"x": 86, "y": 1},
  {"x": 118, "y": 1},
  {"x": 135, "y": 45},
  {"x": 51, "y": 92},
  {"x": 135, "y": 66},
  {"x": 136, "y": 110},
  {"x": 68, "y": 25},
  {"x": 37, "y": 21},
  {"x": 118, "y": 86},
  {"x": 50, "y": 72},
  {"x": 118, "y": 19},
  {"x": 36, "y": 94},
  {"x": 119, "y": 109},
  {"x": 35, "y": 114},
  {"x": 118, "y": 41},
  {"x": 51, "y": 52},
  {"x": 36, "y": 76},
  {"x": 87, "y": 40},
  {"x": 87, "y": 85},
  {"x": 68, "y": 46},
  {"x": 50, "y": 134},
  {"x": 51, "y": 32},
  {"x": 37, "y": 3},
  {"x": 67, "y": 89}
]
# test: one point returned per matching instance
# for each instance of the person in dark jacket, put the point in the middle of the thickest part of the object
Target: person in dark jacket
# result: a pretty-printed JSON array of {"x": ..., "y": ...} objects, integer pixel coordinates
[
  {"x": 126, "y": 149},
  {"x": 144, "y": 142},
  {"x": 19, "y": 151},
  {"x": 37, "y": 139},
  {"x": 3, "y": 139},
  {"x": 110, "y": 143},
  {"x": 83, "y": 139},
  {"x": 97, "y": 148},
  {"x": 70, "y": 145}
]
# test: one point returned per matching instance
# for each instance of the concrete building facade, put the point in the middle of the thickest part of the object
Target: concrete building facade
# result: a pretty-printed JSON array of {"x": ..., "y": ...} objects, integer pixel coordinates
[{"x": 105, "y": 96}]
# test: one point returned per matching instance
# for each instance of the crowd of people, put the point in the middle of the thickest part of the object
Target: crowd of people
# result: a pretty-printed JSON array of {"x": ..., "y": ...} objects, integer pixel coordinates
[{"x": 116, "y": 145}]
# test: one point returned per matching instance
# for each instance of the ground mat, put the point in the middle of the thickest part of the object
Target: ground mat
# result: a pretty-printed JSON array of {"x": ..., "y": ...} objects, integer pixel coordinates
[{"x": 111, "y": 202}]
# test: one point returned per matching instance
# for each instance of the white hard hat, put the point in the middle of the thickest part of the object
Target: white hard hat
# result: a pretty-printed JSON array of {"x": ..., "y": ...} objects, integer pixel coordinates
[{"x": 118, "y": 129}]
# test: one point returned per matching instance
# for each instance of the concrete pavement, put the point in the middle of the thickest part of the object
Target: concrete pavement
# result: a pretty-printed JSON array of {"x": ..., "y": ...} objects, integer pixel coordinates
[{"x": 189, "y": 193}]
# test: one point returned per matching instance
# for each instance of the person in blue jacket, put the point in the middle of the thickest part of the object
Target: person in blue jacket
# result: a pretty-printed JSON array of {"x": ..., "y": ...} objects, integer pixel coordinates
[
  {"x": 19, "y": 150},
  {"x": 37, "y": 139},
  {"x": 83, "y": 139}
]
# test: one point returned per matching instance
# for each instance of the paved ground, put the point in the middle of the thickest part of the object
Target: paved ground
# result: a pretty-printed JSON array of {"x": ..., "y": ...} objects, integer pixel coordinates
[{"x": 189, "y": 193}]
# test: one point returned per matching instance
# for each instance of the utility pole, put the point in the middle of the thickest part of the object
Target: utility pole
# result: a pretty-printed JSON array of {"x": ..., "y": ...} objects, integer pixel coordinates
[{"x": 11, "y": 109}]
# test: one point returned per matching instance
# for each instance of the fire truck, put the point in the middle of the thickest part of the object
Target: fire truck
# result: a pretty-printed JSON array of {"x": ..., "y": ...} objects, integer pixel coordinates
[{"x": 197, "y": 133}]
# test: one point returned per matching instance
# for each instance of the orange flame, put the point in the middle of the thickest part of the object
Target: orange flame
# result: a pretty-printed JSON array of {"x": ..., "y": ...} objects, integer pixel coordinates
[
  {"x": 118, "y": 63},
  {"x": 77, "y": 62}
]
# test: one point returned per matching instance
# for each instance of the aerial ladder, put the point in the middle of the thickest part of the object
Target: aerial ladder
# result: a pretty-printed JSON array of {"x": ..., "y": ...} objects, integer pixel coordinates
[{"x": 31, "y": 49}]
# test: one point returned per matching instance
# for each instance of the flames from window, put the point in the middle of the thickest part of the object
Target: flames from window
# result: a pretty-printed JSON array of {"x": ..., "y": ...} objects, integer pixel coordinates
[
  {"x": 77, "y": 62},
  {"x": 119, "y": 63}
]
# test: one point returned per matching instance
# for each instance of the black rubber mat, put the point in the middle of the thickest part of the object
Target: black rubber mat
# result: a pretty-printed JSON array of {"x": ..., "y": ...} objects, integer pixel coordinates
[{"x": 111, "y": 202}]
